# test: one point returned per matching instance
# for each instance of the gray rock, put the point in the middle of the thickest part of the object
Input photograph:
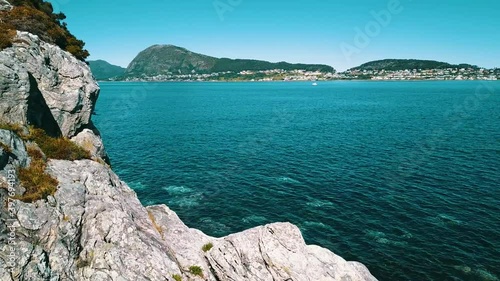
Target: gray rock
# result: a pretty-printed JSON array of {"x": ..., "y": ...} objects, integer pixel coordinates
[
  {"x": 278, "y": 252},
  {"x": 15, "y": 157},
  {"x": 4, "y": 5},
  {"x": 92, "y": 142},
  {"x": 45, "y": 86},
  {"x": 18, "y": 154},
  {"x": 14, "y": 90}
]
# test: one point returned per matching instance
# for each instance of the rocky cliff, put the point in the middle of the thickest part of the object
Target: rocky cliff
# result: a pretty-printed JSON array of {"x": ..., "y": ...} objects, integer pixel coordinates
[
  {"x": 93, "y": 227},
  {"x": 4, "y": 5}
]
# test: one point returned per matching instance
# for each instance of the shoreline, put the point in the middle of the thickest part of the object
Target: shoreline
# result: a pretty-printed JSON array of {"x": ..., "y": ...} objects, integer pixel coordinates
[{"x": 302, "y": 81}]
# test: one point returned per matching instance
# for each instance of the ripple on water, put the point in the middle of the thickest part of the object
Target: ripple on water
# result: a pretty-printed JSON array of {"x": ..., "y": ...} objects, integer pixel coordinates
[
  {"x": 215, "y": 227},
  {"x": 382, "y": 238},
  {"x": 318, "y": 203},
  {"x": 485, "y": 275},
  {"x": 137, "y": 185},
  {"x": 287, "y": 180},
  {"x": 478, "y": 273},
  {"x": 187, "y": 201},
  {"x": 315, "y": 225},
  {"x": 175, "y": 190},
  {"x": 446, "y": 220},
  {"x": 254, "y": 219},
  {"x": 463, "y": 268}
]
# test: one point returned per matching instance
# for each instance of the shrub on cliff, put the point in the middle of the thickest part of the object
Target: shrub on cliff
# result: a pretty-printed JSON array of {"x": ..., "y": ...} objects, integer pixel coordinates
[
  {"x": 6, "y": 35},
  {"x": 58, "y": 148},
  {"x": 207, "y": 247},
  {"x": 16, "y": 128},
  {"x": 196, "y": 270},
  {"x": 38, "y": 17},
  {"x": 37, "y": 183},
  {"x": 34, "y": 179}
]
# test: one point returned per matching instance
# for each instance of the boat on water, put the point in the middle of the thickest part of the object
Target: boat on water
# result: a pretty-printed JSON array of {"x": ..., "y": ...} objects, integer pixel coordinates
[{"x": 315, "y": 84}]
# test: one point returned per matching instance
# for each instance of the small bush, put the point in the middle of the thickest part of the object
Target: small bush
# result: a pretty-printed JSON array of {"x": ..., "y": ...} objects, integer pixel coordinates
[
  {"x": 38, "y": 184},
  {"x": 207, "y": 247},
  {"x": 196, "y": 270},
  {"x": 5, "y": 148},
  {"x": 34, "y": 152},
  {"x": 177, "y": 277},
  {"x": 58, "y": 148},
  {"x": 38, "y": 17},
  {"x": 6, "y": 36},
  {"x": 16, "y": 128}
]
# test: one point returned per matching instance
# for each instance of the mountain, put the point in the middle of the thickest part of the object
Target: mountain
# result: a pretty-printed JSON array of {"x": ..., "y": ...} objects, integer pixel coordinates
[
  {"x": 160, "y": 59},
  {"x": 103, "y": 70},
  {"x": 402, "y": 64},
  {"x": 164, "y": 59}
]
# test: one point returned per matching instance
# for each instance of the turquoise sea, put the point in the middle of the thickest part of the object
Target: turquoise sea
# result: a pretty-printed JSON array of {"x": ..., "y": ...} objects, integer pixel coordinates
[{"x": 401, "y": 176}]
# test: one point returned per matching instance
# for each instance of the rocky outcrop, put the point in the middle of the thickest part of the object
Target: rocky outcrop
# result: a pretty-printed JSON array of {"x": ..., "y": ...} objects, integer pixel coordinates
[
  {"x": 91, "y": 141},
  {"x": 13, "y": 144},
  {"x": 272, "y": 252},
  {"x": 4, "y": 5},
  {"x": 44, "y": 86},
  {"x": 94, "y": 227}
]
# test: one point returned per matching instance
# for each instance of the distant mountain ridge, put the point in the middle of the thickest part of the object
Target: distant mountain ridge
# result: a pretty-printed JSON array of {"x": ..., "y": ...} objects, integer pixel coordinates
[
  {"x": 165, "y": 59},
  {"x": 177, "y": 63},
  {"x": 103, "y": 70},
  {"x": 402, "y": 64}
]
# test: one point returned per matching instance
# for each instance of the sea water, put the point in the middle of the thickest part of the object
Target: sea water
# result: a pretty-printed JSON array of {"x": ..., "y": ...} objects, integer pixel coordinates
[{"x": 401, "y": 176}]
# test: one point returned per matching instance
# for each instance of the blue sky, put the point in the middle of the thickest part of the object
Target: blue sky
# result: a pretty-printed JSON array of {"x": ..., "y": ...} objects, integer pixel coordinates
[{"x": 342, "y": 34}]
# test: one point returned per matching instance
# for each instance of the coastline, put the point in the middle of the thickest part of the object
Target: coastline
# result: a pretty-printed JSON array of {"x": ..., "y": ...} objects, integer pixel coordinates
[{"x": 301, "y": 81}]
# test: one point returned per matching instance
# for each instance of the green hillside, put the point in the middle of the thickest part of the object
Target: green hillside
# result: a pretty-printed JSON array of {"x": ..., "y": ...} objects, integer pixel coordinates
[
  {"x": 165, "y": 59},
  {"x": 402, "y": 64},
  {"x": 103, "y": 70}
]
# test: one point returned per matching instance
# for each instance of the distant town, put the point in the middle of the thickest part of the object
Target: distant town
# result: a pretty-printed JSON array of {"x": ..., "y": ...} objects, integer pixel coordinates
[
  {"x": 419, "y": 74},
  {"x": 303, "y": 75}
]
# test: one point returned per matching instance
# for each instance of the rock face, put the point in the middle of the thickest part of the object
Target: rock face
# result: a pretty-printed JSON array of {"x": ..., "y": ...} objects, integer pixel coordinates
[
  {"x": 92, "y": 142},
  {"x": 272, "y": 252},
  {"x": 103, "y": 70},
  {"x": 4, "y": 5},
  {"x": 94, "y": 227},
  {"x": 45, "y": 86}
]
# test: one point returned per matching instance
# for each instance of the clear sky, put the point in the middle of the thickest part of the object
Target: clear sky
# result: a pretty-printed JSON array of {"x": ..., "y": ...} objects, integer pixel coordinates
[{"x": 340, "y": 33}]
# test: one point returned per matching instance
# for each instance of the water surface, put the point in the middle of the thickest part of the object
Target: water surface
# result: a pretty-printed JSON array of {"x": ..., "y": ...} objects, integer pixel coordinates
[{"x": 402, "y": 176}]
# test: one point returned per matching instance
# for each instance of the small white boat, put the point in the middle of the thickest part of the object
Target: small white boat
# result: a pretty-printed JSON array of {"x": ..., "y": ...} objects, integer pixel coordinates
[{"x": 315, "y": 84}]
